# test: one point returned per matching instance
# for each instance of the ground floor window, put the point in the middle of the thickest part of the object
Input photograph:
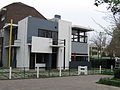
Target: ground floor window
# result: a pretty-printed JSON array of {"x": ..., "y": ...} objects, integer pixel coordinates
[
  {"x": 79, "y": 58},
  {"x": 41, "y": 58}
]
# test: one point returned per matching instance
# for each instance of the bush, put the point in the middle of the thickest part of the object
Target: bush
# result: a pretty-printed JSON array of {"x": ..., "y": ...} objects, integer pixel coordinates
[
  {"x": 108, "y": 81},
  {"x": 117, "y": 73}
]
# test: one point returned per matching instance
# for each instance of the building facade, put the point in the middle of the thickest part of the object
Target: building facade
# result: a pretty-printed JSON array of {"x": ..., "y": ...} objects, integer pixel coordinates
[{"x": 44, "y": 43}]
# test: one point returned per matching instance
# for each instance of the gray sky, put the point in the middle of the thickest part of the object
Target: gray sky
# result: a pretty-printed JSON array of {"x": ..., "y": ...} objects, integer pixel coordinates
[{"x": 79, "y": 12}]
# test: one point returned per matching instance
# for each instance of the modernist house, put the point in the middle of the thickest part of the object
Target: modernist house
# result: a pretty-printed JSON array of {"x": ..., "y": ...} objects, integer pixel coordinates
[{"x": 37, "y": 41}]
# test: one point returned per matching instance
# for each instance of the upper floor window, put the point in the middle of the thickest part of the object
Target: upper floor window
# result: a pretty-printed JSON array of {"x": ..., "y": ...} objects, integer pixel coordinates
[
  {"x": 79, "y": 36},
  {"x": 47, "y": 34}
]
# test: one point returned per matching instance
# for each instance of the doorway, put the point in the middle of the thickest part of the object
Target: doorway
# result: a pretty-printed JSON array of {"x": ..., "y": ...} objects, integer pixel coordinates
[{"x": 54, "y": 57}]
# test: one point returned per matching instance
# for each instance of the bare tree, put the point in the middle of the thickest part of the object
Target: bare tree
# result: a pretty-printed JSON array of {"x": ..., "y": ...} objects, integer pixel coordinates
[
  {"x": 113, "y": 30},
  {"x": 100, "y": 41}
]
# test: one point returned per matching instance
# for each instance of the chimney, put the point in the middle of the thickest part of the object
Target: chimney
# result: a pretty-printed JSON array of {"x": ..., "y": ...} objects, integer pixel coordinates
[{"x": 57, "y": 16}]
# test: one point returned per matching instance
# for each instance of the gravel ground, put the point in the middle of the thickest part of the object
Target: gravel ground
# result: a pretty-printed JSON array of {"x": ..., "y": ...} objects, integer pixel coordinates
[{"x": 58, "y": 83}]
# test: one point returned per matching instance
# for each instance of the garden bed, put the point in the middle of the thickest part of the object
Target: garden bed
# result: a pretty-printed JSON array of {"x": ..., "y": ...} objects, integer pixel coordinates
[{"x": 111, "y": 82}]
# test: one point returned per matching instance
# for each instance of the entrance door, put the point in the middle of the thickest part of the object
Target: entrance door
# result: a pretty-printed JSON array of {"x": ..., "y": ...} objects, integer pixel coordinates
[
  {"x": 32, "y": 60},
  {"x": 54, "y": 58}
]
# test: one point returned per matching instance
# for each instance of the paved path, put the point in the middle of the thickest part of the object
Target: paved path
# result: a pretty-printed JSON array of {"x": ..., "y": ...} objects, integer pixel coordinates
[{"x": 59, "y": 83}]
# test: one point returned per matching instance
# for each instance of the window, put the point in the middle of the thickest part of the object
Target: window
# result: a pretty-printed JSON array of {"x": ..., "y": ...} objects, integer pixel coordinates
[
  {"x": 47, "y": 34},
  {"x": 79, "y": 36},
  {"x": 40, "y": 58},
  {"x": 44, "y": 33},
  {"x": 79, "y": 58}
]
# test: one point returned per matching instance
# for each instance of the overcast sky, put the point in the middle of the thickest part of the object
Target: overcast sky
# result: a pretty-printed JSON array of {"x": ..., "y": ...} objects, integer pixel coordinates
[{"x": 79, "y": 12}]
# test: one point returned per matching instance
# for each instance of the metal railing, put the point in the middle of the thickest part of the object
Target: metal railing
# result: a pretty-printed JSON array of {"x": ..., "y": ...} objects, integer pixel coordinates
[{"x": 42, "y": 72}]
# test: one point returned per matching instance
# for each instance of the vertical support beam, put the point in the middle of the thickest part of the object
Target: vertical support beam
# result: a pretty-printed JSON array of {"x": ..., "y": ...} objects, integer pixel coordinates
[
  {"x": 88, "y": 53},
  {"x": 35, "y": 60},
  {"x": 60, "y": 68},
  {"x": 49, "y": 61},
  {"x": 10, "y": 42},
  {"x": 64, "y": 53}
]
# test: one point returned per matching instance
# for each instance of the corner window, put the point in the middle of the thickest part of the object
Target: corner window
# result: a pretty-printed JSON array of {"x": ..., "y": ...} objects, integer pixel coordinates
[{"x": 79, "y": 36}]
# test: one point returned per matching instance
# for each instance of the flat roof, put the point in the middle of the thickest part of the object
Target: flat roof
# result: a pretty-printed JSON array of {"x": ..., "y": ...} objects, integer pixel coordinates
[
  {"x": 81, "y": 28},
  {"x": 8, "y": 25}
]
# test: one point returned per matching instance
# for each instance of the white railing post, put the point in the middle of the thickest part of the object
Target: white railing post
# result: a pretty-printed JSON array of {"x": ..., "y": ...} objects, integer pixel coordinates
[
  {"x": 37, "y": 72},
  {"x": 10, "y": 72},
  {"x": 86, "y": 70},
  {"x": 111, "y": 68},
  {"x": 100, "y": 70},
  {"x": 79, "y": 70},
  {"x": 60, "y": 73}
]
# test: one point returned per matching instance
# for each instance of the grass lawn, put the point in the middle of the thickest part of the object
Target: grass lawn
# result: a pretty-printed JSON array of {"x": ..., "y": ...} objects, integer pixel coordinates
[{"x": 111, "y": 82}]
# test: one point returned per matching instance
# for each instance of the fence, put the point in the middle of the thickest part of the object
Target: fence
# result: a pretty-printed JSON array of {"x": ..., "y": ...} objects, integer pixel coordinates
[
  {"x": 41, "y": 72},
  {"x": 105, "y": 63}
]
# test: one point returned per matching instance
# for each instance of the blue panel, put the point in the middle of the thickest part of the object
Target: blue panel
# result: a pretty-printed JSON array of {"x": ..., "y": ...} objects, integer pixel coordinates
[{"x": 35, "y": 23}]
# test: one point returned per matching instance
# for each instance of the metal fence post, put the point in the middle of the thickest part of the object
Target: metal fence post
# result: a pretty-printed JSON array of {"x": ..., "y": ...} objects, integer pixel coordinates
[
  {"x": 79, "y": 70},
  {"x": 24, "y": 72},
  {"x": 49, "y": 72},
  {"x": 10, "y": 72},
  {"x": 69, "y": 71},
  {"x": 100, "y": 70},
  {"x": 111, "y": 68},
  {"x": 60, "y": 74},
  {"x": 37, "y": 72}
]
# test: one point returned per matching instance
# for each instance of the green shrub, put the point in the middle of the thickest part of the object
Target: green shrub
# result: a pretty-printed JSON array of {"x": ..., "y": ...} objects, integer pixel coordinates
[
  {"x": 107, "y": 73},
  {"x": 117, "y": 73},
  {"x": 108, "y": 81}
]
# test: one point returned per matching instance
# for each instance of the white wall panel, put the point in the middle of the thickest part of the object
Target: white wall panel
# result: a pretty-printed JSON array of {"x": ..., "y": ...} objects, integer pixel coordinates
[{"x": 41, "y": 45}]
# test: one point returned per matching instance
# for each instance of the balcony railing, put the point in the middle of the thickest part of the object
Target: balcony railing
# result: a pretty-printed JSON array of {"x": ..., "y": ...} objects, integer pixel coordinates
[
  {"x": 57, "y": 43},
  {"x": 15, "y": 43}
]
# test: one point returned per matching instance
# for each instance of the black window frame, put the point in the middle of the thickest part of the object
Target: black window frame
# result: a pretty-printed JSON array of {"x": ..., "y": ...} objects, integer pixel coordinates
[{"x": 77, "y": 37}]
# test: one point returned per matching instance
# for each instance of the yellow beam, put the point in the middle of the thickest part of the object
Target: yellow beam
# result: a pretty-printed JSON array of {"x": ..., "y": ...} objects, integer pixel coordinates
[{"x": 10, "y": 43}]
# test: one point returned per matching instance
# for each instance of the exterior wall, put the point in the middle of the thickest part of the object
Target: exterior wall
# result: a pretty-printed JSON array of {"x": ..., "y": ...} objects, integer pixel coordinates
[
  {"x": 24, "y": 51},
  {"x": 81, "y": 48},
  {"x": 5, "y": 50},
  {"x": 34, "y": 24},
  {"x": 27, "y": 28},
  {"x": 64, "y": 32}
]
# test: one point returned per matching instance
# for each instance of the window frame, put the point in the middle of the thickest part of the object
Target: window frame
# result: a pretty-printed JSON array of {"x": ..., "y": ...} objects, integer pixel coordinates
[{"x": 76, "y": 36}]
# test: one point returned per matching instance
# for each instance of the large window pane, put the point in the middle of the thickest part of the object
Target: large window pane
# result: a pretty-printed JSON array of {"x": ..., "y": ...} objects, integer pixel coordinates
[{"x": 79, "y": 36}]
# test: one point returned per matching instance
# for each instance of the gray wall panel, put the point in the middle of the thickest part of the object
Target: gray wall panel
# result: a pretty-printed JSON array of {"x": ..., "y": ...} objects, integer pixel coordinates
[
  {"x": 34, "y": 24},
  {"x": 78, "y": 47}
]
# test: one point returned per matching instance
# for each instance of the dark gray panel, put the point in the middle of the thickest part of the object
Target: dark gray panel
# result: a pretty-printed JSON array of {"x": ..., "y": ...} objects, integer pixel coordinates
[
  {"x": 78, "y": 47},
  {"x": 35, "y": 23}
]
